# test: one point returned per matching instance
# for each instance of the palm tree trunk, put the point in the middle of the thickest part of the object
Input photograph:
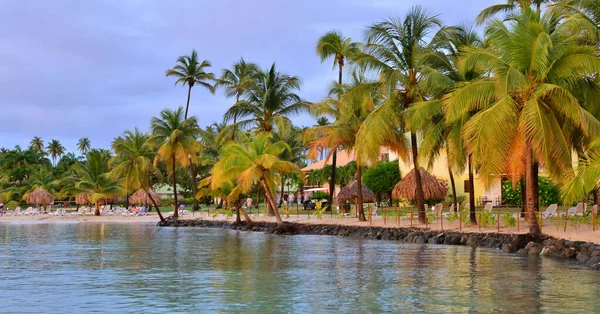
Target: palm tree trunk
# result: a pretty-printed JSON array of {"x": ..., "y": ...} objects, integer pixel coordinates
[
  {"x": 472, "y": 215},
  {"x": 272, "y": 202},
  {"x": 155, "y": 206},
  {"x": 187, "y": 106},
  {"x": 194, "y": 186},
  {"x": 453, "y": 185},
  {"x": 237, "y": 99},
  {"x": 419, "y": 187},
  {"x": 359, "y": 195},
  {"x": 97, "y": 208},
  {"x": 332, "y": 180},
  {"x": 523, "y": 196},
  {"x": 282, "y": 188},
  {"x": 175, "y": 211},
  {"x": 532, "y": 191},
  {"x": 237, "y": 206}
]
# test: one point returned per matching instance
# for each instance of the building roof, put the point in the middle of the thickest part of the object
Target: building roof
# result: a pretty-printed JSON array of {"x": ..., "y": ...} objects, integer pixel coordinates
[{"x": 343, "y": 158}]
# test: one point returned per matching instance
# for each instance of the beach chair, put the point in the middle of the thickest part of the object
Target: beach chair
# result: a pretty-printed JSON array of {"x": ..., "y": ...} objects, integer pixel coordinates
[
  {"x": 375, "y": 208},
  {"x": 595, "y": 209},
  {"x": 550, "y": 211},
  {"x": 142, "y": 212},
  {"x": 578, "y": 210},
  {"x": 488, "y": 207},
  {"x": 16, "y": 212}
]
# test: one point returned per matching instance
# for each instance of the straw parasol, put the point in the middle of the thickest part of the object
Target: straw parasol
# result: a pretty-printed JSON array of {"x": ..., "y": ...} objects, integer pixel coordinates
[
  {"x": 350, "y": 193},
  {"x": 141, "y": 197},
  {"x": 407, "y": 187},
  {"x": 40, "y": 197},
  {"x": 82, "y": 198}
]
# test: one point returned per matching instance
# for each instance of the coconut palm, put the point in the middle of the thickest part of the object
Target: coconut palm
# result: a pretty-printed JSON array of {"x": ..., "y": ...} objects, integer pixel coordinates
[
  {"x": 397, "y": 48},
  {"x": 175, "y": 138},
  {"x": 134, "y": 163},
  {"x": 225, "y": 191},
  {"x": 252, "y": 160},
  {"x": 270, "y": 101},
  {"x": 334, "y": 44},
  {"x": 527, "y": 111},
  {"x": 586, "y": 177},
  {"x": 84, "y": 145},
  {"x": 55, "y": 149},
  {"x": 37, "y": 143},
  {"x": 191, "y": 72},
  {"x": 510, "y": 8},
  {"x": 92, "y": 178},
  {"x": 236, "y": 82}
]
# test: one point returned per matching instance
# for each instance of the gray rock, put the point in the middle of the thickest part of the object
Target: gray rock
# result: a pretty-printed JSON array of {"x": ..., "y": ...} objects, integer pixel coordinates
[
  {"x": 508, "y": 248},
  {"x": 595, "y": 253},
  {"x": 419, "y": 239},
  {"x": 535, "y": 250},
  {"x": 583, "y": 257},
  {"x": 385, "y": 235},
  {"x": 523, "y": 251},
  {"x": 530, "y": 245},
  {"x": 593, "y": 261},
  {"x": 568, "y": 253}
]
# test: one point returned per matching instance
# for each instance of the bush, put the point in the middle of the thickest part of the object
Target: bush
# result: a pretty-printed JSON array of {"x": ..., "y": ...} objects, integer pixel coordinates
[
  {"x": 382, "y": 177},
  {"x": 509, "y": 219},
  {"x": 549, "y": 192},
  {"x": 320, "y": 195}
]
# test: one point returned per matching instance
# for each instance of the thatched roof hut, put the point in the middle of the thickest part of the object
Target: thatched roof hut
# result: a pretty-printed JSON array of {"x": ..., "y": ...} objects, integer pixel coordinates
[
  {"x": 350, "y": 192},
  {"x": 40, "y": 197},
  {"x": 407, "y": 187},
  {"x": 141, "y": 197},
  {"x": 82, "y": 198}
]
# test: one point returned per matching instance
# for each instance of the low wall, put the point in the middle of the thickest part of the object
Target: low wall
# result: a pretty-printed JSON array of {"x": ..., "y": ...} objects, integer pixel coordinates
[{"x": 586, "y": 253}]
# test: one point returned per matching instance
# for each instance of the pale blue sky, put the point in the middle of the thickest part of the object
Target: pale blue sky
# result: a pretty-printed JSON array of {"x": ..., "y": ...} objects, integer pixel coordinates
[{"x": 71, "y": 68}]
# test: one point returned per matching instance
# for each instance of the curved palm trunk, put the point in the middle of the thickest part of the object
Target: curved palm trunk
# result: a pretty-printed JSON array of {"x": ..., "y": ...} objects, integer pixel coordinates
[
  {"x": 272, "y": 202},
  {"x": 532, "y": 191},
  {"x": 194, "y": 186},
  {"x": 453, "y": 185},
  {"x": 282, "y": 188},
  {"x": 237, "y": 99},
  {"x": 156, "y": 206},
  {"x": 419, "y": 187},
  {"x": 187, "y": 106},
  {"x": 175, "y": 211},
  {"x": 472, "y": 216},
  {"x": 332, "y": 181},
  {"x": 359, "y": 195}
]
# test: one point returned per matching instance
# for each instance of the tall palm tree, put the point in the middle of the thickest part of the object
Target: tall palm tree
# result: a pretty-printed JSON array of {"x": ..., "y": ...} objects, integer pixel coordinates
[
  {"x": 55, "y": 149},
  {"x": 237, "y": 81},
  {"x": 92, "y": 177},
  {"x": 175, "y": 138},
  {"x": 84, "y": 145},
  {"x": 37, "y": 143},
  {"x": 134, "y": 162},
  {"x": 526, "y": 107},
  {"x": 250, "y": 161},
  {"x": 334, "y": 44},
  {"x": 396, "y": 48},
  {"x": 191, "y": 72},
  {"x": 270, "y": 101}
]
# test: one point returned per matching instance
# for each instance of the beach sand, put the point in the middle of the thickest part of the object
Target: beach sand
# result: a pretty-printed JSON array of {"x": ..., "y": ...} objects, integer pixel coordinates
[{"x": 584, "y": 233}]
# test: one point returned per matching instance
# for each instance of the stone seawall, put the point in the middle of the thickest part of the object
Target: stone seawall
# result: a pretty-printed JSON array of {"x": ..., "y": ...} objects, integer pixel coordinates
[{"x": 586, "y": 253}]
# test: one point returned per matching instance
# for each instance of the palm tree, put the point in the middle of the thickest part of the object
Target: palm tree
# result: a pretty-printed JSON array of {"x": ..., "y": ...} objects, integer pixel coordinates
[
  {"x": 237, "y": 81},
  {"x": 510, "y": 8},
  {"x": 253, "y": 160},
  {"x": 37, "y": 143},
  {"x": 134, "y": 162},
  {"x": 92, "y": 177},
  {"x": 527, "y": 111},
  {"x": 191, "y": 72},
  {"x": 84, "y": 145},
  {"x": 55, "y": 149},
  {"x": 334, "y": 44},
  {"x": 175, "y": 138},
  {"x": 270, "y": 101},
  {"x": 397, "y": 49}
]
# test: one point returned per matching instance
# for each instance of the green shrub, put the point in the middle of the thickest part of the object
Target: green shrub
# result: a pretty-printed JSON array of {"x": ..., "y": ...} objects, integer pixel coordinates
[
  {"x": 557, "y": 221},
  {"x": 486, "y": 218},
  {"x": 509, "y": 219},
  {"x": 382, "y": 177},
  {"x": 452, "y": 217},
  {"x": 549, "y": 192},
  {"x": 320, "y": 195}
]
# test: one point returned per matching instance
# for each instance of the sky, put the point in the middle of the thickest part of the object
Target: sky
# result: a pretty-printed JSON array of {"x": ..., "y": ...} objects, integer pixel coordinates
[{"x": 72, "y": 69}]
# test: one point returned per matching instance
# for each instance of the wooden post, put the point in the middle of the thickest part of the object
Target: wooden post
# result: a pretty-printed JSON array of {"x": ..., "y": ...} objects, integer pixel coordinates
[
  {"x": 479, "y": 221},
  {"x": 518, "y": 220},
  {"x": 398, "y": 210},
  {"x": 370, "y": 216},
  {"x": 384, "y": 217},
  {"x": 498, "y": 214},
  {"x": 296, "y": 210},
  {"x": 411, "y": 216},
  {"x": 441, "y": 220},
  {"x": 541, "y": 221},
  {"x": 566, "y": 218},
  {"x": 460, "y": 220},
  {"x": 593, "y": 220}
]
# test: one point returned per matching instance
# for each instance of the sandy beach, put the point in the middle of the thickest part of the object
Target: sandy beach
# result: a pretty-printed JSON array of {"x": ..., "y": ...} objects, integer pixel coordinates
[{"x": 584, "y": 233}]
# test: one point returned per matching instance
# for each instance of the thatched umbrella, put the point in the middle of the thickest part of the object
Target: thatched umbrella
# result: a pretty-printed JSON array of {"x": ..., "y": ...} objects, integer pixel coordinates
[
  {"x": 40, "y": 197},
  {"x": 82, "y": 198},
  {"x": 141, "y": 197},
  {"x": 407, "y": 187},
  {"x": 350, "y": 193}
]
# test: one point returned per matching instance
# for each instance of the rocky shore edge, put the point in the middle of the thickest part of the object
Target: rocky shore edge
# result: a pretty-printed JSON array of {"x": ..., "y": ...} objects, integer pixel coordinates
[{"x": 585, "y": 253}]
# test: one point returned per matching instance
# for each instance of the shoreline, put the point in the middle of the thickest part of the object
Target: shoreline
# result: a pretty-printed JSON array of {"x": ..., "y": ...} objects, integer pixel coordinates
[{"x": 585, "y": 253}]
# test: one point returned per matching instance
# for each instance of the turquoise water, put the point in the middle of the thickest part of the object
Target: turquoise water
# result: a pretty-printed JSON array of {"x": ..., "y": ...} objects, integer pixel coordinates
[{"x": 77, "y": 268}]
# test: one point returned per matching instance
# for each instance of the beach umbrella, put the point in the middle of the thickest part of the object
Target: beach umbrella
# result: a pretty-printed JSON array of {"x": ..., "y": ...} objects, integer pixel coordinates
[
  {"x": 82, "y": 198},
  {"x": 407, "y": 187},
  {"x": 350, "y": 193},
  {"x": 141, "y": 197},
  {"x": 40, "y": 197}
]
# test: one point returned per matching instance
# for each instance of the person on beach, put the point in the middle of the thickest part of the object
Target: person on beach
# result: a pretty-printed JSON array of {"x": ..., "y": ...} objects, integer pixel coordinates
[{"x": 1, "y": 208}]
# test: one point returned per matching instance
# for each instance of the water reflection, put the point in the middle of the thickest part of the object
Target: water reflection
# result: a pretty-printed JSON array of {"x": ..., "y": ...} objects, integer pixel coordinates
[{"x": 140, "y": 268}]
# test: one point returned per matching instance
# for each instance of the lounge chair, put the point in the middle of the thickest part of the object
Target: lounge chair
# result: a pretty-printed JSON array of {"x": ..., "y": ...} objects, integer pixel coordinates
[
  {"x": 488, "y": 207},
  {"x": 142, "y": 212},
  {"x": 550, "y": 211},
  {"x": 374, "y": 213},
  {"x": 578, "y": 210},
  {"x": 16, "y": 212}
]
